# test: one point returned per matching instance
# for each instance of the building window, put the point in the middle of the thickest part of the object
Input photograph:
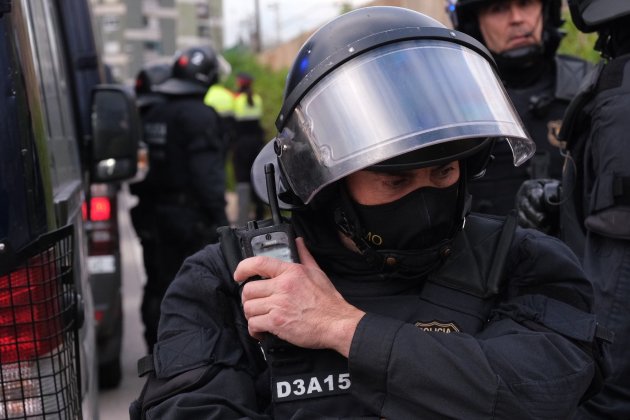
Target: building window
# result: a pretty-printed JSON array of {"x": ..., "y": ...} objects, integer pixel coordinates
[
  {"x": 111, "y": 47},
  {"x": 152, "y": 46},
  {"x": 203, "y": 11},
  {"x": 111, "y": 23},
  {"x": 203, "y": 31}
]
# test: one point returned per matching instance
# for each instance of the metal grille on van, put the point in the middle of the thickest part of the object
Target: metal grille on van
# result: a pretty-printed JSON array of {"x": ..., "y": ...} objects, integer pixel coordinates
[{"x": 39, "y": 368}]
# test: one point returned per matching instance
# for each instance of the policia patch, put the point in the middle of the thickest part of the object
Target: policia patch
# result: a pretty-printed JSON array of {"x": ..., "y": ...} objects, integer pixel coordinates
[
  {"x": 436, "y": 326},
  {"x": 300, "y": 387}
]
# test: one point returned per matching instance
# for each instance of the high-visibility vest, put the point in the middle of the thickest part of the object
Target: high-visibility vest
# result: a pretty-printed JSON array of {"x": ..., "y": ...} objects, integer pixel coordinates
[
  {"x": 221, "y": 99},
  {"x": 245, "y": 111}
]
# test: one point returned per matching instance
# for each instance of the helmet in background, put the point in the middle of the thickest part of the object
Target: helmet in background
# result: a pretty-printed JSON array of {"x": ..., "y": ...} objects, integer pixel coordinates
[
  {"x": 150, "y": 76},
  {"x": 592, "y": 15},
  {"x": 193, "y": 72},
  {"x": 386, "y": 88}
]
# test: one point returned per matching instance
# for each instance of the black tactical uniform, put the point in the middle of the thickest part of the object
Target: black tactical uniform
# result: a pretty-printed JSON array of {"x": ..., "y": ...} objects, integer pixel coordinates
[
  {"x": 450, "y": 345},
  {"x": 595, "y": 192},
  {"x": 142, "y": 215},
  {"x": 541, "y": 84},
  {"x": 182, "y": 199},
  {"x": 473, "y": 319}
]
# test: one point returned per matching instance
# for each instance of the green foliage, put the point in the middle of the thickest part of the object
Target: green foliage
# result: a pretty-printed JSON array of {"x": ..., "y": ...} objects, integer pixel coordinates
[
  {"x": 269, "y": 84},
  {"x": 578, "y": 43},
  {"x": 345, "y": 7}
]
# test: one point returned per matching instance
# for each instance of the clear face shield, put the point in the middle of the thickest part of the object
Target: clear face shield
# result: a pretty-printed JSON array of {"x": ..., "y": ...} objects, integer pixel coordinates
[{"x": 390, "y": 101}]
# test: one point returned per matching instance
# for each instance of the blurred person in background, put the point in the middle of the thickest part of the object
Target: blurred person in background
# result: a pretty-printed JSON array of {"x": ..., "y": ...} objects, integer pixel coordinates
[
  {"x": 248, "y": 141},
  {"x": 523, "y": 37},
  {"x": 183, "y": 198},
  {"x": 143, "y": 213},
  {"x": 221, "y": 99}
]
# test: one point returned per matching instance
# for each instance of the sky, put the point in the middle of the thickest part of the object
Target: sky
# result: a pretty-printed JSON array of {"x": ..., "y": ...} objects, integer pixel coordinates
[{"x": 280, "y": 20}]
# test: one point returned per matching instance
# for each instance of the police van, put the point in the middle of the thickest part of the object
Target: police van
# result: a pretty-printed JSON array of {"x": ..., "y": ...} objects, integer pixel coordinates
[{"x": 61, "y": 131}]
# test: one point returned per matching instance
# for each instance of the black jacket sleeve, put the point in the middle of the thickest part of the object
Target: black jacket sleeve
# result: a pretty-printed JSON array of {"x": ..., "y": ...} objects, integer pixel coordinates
[{"x": 199, "y": 327}]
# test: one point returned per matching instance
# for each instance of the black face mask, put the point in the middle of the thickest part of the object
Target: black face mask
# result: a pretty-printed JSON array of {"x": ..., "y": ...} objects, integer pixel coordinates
[{"x": 418, "y": 220}]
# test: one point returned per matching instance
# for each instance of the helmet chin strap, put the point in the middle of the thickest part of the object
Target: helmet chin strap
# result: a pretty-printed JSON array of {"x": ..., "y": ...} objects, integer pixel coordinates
[
  {"x": 348, "y": 223},
  {"x": 521, "y": 57},
  {"x": 521, "y": 66}
]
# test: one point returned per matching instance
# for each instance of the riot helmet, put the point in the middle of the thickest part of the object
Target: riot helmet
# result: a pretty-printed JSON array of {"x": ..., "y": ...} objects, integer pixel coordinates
[
  {"x": 386, "y": 88},
  {"x": 464, "y": 16},
  {"x": 592, "y": 15},
  {"x": 150, "y": 76},
  {"x": 193, "y": 72}
]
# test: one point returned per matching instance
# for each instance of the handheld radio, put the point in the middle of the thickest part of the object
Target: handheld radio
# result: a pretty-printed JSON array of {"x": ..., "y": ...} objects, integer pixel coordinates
[{"x": 275, "y": 240}]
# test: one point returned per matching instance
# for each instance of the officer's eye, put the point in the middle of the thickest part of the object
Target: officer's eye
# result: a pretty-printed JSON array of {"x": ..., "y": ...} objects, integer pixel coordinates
[
  {"x": 398, "y": 181},
  {"x": 443, "y": 171},
  {"x": 445, "y": 175}
]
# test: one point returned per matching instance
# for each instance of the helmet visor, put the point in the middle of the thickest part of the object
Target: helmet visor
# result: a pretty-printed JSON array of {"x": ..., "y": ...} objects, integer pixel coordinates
[{"x": 390, "y": 101}]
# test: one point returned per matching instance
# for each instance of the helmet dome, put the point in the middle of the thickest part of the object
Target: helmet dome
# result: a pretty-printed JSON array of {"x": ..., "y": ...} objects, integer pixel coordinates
[
  {"x": 193, "y": 72},
  {"x": 590, "y": 15},
  {"x": 386, "y": 88},
  {"x": 147, "y": 79}
]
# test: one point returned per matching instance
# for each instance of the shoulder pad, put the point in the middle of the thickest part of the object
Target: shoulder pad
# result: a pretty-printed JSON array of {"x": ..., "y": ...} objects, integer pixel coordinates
[
  {"x": 570, "y": 72},
  {"x": 480, "y": 253},
  {"x": 582, "y": 97}
]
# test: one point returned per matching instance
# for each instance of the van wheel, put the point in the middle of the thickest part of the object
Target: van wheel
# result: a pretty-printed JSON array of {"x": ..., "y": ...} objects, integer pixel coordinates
[{"x": 109, "y": 374}]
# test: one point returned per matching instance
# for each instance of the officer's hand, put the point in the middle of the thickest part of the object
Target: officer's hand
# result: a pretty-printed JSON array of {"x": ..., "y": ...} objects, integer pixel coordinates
[
  {"x": 296, "y": 302},
  {"x": 537, "y": 205}
]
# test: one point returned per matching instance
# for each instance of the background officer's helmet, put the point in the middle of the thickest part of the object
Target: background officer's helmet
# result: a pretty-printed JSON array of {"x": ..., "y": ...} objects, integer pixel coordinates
[
  {"x": 386, "y": 88},
  {"x": 593, "y": 15},
  {"x": 194, "y": 71},
  {"x": 147, "y": 79},
  {"x": 463, "y": 14}
]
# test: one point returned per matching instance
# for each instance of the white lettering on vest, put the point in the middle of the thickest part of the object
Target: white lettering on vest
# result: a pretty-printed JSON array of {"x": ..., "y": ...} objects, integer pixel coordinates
[{"x": 308, "y": 386}]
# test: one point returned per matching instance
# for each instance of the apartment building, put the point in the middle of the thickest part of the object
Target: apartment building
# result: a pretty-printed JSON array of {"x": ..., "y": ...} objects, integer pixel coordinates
[{"x": 134, "y": 32}]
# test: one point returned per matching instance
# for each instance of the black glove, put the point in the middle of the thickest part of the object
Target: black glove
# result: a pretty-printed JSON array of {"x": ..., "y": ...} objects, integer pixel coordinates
[{"x": 537, "y": 205}]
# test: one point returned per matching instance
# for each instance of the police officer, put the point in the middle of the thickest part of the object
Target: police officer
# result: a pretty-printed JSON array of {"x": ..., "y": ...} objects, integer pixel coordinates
[
  {"x": 523, "y": 37},
  {"x": 185, "y": 185},
  {"x": 142, "y": 214},
  {"x": 403, "y": 304},
  {"x": 249, "y": 140},
  {"x": 595, "y": 192},
  {"x": 221, "y": 99}
]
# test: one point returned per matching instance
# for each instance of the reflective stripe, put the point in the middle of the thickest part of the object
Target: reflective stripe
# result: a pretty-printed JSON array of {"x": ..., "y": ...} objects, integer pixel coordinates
[
  {"x": 244, "y": 111},
  {"x": 221, "y": 99}
]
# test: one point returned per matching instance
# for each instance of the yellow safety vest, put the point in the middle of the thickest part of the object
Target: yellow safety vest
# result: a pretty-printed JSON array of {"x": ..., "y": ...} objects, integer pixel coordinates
[
  {"x": 245, "y": 111},
  {"x": 221, "y": 99}
]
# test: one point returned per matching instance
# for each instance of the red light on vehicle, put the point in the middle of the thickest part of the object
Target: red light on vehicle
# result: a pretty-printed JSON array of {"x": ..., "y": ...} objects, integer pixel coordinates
[
  {"x": 30, "y": 310},
  {"x": 98, "y": 316},
  {"x": 100, "y": 209}
]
